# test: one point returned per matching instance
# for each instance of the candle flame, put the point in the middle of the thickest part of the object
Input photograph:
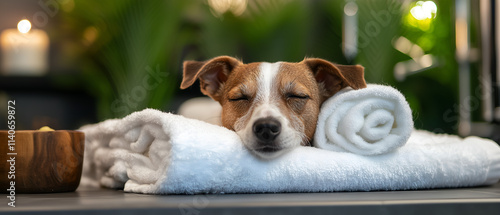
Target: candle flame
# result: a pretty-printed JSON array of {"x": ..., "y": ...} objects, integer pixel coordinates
[{"x": 24, "y": 26}]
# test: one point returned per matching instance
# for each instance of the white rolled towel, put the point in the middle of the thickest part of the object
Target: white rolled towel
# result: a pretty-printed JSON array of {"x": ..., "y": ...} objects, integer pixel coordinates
[
  {"x": 370, "y": 121},
  {"x": 161, "y": 153}
]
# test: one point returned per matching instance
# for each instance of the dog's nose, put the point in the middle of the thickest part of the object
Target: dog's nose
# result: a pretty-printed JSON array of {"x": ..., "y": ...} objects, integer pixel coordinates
[{"x": 266, "y": 129}]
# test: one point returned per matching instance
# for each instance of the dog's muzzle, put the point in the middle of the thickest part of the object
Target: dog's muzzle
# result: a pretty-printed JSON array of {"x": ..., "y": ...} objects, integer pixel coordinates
[{"x": 267, "y": 130}]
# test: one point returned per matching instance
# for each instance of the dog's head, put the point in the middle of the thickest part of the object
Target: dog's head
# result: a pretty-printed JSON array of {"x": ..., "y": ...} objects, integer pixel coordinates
[{"x": 273, "y": 107}]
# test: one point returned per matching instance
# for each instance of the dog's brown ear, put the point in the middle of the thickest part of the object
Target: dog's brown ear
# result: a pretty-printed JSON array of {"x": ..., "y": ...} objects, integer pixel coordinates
[
  {"x": 333, "y": 77},
  {"x": 212, "y": 74}
]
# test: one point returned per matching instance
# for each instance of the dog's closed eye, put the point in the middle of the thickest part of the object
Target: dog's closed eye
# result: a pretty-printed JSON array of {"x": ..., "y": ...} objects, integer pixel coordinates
[
  {"x": 240, "y": 93},
  {"x": 297, "y": 96},
  {"x": 296, "y": 100},
  {"x": 238, "y": 98}
]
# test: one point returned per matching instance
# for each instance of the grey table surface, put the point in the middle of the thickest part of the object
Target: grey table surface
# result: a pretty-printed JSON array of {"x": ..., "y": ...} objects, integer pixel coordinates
[{"x": 478, "y": 200}]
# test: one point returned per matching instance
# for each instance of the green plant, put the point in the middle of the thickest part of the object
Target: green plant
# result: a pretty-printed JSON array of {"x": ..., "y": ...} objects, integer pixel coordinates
[{"x": 129, "y": 48}]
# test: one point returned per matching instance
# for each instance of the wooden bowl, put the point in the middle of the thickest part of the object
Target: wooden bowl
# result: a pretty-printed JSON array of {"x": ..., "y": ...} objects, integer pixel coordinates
[{"x": 45, "y": 161}]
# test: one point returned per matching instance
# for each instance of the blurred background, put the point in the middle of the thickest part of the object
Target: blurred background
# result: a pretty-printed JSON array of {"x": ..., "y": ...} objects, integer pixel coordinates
[{"x": 106, "y": 59}]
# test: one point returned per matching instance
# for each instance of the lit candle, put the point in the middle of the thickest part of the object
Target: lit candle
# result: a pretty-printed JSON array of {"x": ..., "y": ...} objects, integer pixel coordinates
[{"x": 24, "y": 50}]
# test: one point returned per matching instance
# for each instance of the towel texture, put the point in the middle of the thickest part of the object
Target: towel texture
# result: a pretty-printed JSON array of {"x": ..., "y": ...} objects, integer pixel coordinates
[
  {"x": 370, "y": 121},
  {"x": 160, "y": 153}
]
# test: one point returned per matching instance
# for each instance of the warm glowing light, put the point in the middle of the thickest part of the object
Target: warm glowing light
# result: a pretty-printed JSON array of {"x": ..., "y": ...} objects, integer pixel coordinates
[
  {"x": 90, "y": 34},
  {"x": 219, "y": 7},
  {"x": 351, "y": 9},
  {"x": 24, "y": 26},
  {"x": 424, "y": 10},
  {"x": 404, "y": 45},
  {"x": 238, "y": 7},
  {"x": 67, "y": 5}
]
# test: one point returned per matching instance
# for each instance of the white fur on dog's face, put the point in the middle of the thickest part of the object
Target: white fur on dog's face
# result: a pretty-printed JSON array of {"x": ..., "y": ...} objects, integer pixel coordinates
[{"x": 265, "y": 104}]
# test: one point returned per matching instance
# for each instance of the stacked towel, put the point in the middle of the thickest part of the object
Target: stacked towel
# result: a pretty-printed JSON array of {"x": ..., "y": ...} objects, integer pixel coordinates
[
  {"x": 160, "y": 153},
  {"x": 370, "y": 121}
]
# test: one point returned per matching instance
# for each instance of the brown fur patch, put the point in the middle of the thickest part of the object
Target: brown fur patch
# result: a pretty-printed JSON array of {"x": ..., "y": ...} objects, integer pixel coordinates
[
  {"x": 242, "y": 81},
  {"x": 297, "y": 80}
]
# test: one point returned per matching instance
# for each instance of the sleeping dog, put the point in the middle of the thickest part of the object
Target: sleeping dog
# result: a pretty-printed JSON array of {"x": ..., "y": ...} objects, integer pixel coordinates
[{"x": 273, "y": 107}]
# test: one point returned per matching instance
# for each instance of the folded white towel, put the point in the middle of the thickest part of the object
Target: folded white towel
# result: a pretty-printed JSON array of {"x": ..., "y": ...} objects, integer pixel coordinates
[
  {"x": 161, "y": 153},
  {"x": 370, "y": 121}
]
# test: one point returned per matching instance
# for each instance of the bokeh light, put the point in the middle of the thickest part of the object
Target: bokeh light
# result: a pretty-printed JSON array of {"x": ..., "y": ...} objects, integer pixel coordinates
[
  {"x": 422, "y": 15},
  {"x": 24, "y": 26},
  {"x": 424, "y": 10}
]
